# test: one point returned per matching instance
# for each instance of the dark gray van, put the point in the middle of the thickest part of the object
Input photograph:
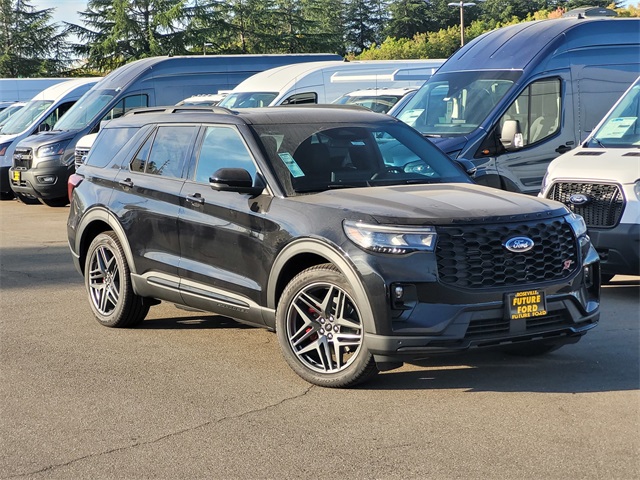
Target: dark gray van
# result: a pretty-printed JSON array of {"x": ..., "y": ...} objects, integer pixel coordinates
[
  {"x": 42, "y": 164},
  {"x": 515, "y": 98}
]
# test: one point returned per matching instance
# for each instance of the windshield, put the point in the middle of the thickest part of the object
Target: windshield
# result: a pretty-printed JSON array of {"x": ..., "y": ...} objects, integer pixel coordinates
[
  {"x": 377, "y": 103},
  {"x": 248, "y": 99},
  {"x": 23, "y": 119},
  {"x": 85, "y": 110},
  {"x": 621, "y": 128},
  {"x": 9, "y": 112},
  {"x": 318, "y": 157},
  {"x": 451, "y": 104}
]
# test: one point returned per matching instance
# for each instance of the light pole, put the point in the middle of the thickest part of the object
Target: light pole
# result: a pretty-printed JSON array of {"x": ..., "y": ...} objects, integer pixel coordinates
[
  {"x": 461, "y": 5},
  {"x": 204, "y": 47}
]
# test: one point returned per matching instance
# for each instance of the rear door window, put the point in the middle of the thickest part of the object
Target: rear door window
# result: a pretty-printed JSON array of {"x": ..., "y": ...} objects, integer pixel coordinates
[{"x": 165, "y": 152}]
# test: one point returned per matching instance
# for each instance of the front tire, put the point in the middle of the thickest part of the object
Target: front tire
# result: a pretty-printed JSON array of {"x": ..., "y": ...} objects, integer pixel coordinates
[
  {"x": 55, "y": 202},
  {"x": 27, "y": 199},
  {"x": 320, "y": 329},
  {"x": 108, "y": 282}
]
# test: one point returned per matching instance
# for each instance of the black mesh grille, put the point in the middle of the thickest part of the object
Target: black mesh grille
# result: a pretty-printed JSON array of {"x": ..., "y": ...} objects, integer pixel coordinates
[
  {"x": 495, "y": 327},
  {"x": 473, "y": 256},
  {"x": 604, "y": 207}
]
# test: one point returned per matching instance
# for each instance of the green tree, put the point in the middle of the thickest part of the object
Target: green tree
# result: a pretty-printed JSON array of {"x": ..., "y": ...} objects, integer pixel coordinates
[
  {"x": 119, "y": 31},
  {"x": 364, "y": 22},
  {"x": 31, "y": 45}
]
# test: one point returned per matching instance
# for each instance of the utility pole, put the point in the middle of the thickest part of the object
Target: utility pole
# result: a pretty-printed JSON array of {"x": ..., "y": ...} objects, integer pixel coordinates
[{"x": 461, "y": 5}]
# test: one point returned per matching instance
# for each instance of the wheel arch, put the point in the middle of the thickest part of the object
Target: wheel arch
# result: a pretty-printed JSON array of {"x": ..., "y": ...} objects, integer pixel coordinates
[
  {"x": 95, "y": 222},
  {"x": 308, "y": 252}
]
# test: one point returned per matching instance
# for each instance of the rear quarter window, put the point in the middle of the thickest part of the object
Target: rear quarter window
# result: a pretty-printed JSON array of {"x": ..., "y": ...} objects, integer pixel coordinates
[{"x": 108, "y": 144}]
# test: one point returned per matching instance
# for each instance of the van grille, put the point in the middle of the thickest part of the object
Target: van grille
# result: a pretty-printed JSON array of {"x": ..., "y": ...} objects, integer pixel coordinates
[
  {"x": 496, "y": 326},
  {"x": 473, "y": 256},
  {"x": 605, "y": 205},
  {"x": 79, "y": 155},
  {"x": 22, "y": 158}
]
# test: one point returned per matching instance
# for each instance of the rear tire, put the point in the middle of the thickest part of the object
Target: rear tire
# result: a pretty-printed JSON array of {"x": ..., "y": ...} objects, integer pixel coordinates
[
  {"x": 321, "y": 331},
  {"x": 108, "y": 281}
]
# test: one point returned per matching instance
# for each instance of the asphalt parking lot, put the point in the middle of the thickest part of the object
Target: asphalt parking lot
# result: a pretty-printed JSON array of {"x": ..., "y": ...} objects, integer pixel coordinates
[{"x": 192, "y": 395}]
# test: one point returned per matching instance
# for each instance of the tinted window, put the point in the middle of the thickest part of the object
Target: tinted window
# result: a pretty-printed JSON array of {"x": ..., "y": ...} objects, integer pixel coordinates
[
  {"x": 108, "y": 143},
  {"x": 222, "y": 147},
  {"x": 165, "y": 152},
  {"x": 314, "y": 157}
]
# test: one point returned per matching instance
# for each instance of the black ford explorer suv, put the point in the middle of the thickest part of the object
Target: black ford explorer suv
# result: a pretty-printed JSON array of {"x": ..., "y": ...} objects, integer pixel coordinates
[{"x": 354, "y": 238}]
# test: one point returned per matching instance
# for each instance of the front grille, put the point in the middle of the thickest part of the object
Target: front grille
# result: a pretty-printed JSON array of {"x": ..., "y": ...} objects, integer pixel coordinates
[
  {"x": 79, "y": 155},
  {"x": 488, "y": 328},
  {"x": 473, "y": 256},
  {"x": 22, "y": 158},
  {"x": 605, "y": 205}
]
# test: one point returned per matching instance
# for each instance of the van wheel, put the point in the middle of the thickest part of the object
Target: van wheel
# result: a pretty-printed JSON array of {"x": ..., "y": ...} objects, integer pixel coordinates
[
  {"x": 55, "y": 202},
  {"x": 320, "y": 329},
  {"x": 27, "y": 199},
  {"x": 108, "y": 282}
]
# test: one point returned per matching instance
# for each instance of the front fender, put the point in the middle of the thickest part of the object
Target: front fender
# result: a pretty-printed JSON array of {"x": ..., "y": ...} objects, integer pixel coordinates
[{"x": 333, "y": 254}]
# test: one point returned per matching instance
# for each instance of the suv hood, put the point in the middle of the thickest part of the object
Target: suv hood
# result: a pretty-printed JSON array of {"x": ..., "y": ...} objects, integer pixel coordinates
[
  {"x": 437, "y": 204},
  {"x": 618, "y": 165}
]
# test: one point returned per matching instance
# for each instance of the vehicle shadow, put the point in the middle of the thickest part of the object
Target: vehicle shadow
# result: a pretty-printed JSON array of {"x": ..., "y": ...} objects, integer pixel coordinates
[{"x": 204, "y": 321}]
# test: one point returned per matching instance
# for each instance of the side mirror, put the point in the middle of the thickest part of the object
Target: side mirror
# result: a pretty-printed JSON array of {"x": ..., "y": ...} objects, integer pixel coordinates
[
  {"x": 511, "y": 136},
  {"x": 234, "y": 180},
  {"x": 43, "y": 127},
  {"x": 467, "y": 165}
]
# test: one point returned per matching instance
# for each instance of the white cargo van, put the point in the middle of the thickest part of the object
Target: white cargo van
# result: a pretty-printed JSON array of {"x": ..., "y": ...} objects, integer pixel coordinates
[
  {"x": 38, "y": 115},
  {"x": 600, "y": 180},
  {"x": 324, "y": 82}
]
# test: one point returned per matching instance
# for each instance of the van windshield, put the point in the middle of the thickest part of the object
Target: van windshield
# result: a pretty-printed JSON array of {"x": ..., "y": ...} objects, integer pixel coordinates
[
  {"x": 22, "y": 120},
  {"x": 621, "y": 129},
  {"x": 456, "y": 103},
  {"x": 248, "y": 99},
  {"x": 85, "y": 110}
]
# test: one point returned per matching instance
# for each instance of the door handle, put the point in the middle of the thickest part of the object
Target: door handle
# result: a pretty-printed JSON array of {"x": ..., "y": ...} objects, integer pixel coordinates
[
  {"x": 563, "y": 149},
  {"x": 126, "y": 183},
  {"x": 196, "y": 199}
]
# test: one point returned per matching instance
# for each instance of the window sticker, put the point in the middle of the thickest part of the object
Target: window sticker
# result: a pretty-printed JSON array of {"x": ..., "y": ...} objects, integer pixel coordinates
[
  {"x": 617, "y": 127},
  {"x": 291, "y": 164}
]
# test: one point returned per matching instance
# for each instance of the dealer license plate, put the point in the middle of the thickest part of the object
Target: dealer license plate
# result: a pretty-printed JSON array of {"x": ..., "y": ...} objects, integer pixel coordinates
[
  {"x": 528, "y": 304},
  {"x": 16, "y": 175}
]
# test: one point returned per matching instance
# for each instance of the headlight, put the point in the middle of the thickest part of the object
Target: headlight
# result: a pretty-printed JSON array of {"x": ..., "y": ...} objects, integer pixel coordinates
[
  {"x": 543, "y": 187},
  {"x": 52, "y": 149},
  {"x": 395, "y": 240},
  {"x": 636, "y": 189},
  {"x": 577, "y": 223}
]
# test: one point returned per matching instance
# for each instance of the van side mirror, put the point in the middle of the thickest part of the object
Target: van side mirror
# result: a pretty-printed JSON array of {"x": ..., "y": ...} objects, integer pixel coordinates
[
  {"x": 234, "y": 180},
  {"x": 511, "y": 136},
  {"x": 43, "y": 127},
  {"x": 467, "y": 165}
]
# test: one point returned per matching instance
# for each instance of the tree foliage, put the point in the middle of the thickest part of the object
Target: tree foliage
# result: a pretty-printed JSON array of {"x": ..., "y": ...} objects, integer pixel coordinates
[
  {"x": 32, "y": 46},
  {"x": 114, "y": 32}
]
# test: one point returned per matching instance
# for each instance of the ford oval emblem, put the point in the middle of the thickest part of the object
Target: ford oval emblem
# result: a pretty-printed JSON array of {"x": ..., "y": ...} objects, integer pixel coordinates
[
  {"x": 579, "y": 199},
  {"x": 519, "y": 244}
]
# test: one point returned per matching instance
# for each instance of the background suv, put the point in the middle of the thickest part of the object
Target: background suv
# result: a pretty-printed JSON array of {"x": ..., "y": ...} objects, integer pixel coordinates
[{"x": 354, "y": 238}]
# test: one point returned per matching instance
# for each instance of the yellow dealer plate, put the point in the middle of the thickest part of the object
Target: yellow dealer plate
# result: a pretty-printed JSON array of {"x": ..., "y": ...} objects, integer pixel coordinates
[{"x": 528, "y": 304}]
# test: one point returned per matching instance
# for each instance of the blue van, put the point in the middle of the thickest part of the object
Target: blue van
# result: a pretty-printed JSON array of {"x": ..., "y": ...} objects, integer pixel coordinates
[
  {"x": 515, "y": 98},
  {"x": 42, "y": 164}
]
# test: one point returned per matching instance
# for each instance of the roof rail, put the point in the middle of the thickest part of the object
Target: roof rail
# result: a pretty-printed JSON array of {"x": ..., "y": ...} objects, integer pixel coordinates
[{"x": 184, "y": 108}]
